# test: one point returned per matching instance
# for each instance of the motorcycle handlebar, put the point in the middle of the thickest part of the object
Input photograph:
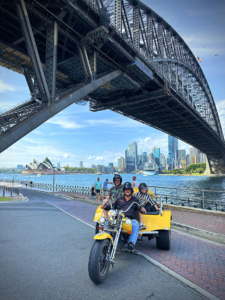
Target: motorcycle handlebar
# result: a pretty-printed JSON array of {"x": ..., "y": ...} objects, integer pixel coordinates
[{"x": 123, "y": 211}]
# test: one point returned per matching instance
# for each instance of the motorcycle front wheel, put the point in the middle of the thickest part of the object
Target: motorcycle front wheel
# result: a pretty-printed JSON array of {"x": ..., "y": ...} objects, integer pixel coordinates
[{"x": 98, "y": 266}]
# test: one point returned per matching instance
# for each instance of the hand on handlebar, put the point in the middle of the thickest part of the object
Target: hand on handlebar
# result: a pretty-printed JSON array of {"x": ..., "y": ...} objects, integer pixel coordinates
[{"x": 104, "y": 204}]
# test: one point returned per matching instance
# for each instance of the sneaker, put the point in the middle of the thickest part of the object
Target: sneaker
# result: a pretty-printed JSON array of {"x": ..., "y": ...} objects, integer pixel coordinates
[
  {"x": 142, "y": 227},
  {"x": 130, "y": 246}
]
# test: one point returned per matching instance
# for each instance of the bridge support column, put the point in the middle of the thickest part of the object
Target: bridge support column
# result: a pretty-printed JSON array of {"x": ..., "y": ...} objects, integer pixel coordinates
[
  {"x": 215, "y": 166},
  {"x": 32, "y": 50}
]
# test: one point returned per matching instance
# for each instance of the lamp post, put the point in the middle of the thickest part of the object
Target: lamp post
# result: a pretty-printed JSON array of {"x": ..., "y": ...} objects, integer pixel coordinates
[
  {"x": 53, "y": 179},
  {"x": 13, "y": 177}
]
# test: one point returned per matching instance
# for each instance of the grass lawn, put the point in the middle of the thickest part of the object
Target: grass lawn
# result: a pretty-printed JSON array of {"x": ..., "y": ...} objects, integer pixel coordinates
[{"x": 5, "y": 199}]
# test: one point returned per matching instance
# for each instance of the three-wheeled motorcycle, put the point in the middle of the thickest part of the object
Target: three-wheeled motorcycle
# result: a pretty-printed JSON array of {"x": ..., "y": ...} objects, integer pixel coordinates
[{"x": 112, "y": 236}]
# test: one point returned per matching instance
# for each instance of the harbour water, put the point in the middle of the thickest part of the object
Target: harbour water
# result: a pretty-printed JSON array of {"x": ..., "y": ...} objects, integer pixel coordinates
[{"x": 189, "y": 182}]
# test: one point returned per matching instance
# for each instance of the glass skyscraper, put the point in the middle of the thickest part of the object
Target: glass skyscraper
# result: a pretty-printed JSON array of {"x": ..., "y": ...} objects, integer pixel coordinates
[
  {"x": 173, "y": 152},
  {"x": 157, "y": 157},
  {"x": 132, "y": 151}
]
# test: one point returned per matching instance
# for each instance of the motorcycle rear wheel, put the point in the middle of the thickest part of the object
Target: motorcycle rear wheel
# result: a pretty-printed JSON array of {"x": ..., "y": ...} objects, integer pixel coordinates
[{"x": 98, "y": 267}]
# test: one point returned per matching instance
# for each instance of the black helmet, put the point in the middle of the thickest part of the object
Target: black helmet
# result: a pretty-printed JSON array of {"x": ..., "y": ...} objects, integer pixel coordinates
[
  {"x": 117, "y": 176},
  {"x": 128, "y": 185},
  {"x": 143, "y": 186}
]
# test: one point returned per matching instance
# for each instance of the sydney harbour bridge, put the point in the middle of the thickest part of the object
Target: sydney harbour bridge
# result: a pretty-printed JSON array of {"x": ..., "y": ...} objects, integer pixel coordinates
[{"x": 115, "y": 54}]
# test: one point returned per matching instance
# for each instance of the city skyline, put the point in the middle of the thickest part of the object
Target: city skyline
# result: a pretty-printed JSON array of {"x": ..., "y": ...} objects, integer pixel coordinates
[
  {"x": 77, "y": 134},
  {"x": 154, "y": 154}
]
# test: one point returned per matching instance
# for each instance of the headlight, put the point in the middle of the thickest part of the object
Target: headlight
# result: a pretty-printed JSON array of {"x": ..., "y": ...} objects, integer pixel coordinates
[
  {"x": 102, "y": 220},
  {"x": 128, "y": 221}
]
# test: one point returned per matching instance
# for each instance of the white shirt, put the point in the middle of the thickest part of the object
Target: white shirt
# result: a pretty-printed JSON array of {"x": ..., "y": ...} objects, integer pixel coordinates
[{"x": 136, "y": 184}]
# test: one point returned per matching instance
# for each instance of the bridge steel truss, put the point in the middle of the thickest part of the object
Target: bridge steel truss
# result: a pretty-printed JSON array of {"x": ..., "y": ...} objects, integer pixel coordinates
[{"x": 63, "y": 46}]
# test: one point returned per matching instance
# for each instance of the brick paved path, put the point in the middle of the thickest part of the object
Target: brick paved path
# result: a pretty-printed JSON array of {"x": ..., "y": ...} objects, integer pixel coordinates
[
  {"x": 201, "y": 262},
  {"x": 206, "y": 222}
]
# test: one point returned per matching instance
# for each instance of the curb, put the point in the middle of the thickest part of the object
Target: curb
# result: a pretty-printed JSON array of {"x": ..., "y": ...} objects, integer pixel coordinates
[
  {"x": 212, "y": 236},
  {"x": 195, "y": 210},
  {"x": 25, "y": 199}
]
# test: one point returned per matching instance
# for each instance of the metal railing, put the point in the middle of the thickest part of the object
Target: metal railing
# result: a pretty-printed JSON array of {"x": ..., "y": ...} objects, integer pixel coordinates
[
  {"x": 10, "y": 190},
  {"x": 198, "y": 198}
]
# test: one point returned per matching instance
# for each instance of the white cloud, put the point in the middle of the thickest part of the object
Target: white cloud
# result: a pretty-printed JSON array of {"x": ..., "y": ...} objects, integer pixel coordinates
[
  {"x": 65, "y": 123},
  {"x": 145, "y": 144},
  {"x": 5, "y": 87},
  {"x": 65, "y": 155},
  {"x": 90, "y": 157},
  {"x": 115, "y": 123}
]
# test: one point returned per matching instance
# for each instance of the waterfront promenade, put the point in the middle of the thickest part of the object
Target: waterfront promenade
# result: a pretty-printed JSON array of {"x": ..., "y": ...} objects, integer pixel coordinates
[{"x": 198, "y": 260}]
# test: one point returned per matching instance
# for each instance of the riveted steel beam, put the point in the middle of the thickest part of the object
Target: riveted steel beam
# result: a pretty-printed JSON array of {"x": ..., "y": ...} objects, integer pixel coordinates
[
  {"x": 32, "y": 50},
  {"x": 51, "y": 58},
  {"x": 27, "y": 125}
]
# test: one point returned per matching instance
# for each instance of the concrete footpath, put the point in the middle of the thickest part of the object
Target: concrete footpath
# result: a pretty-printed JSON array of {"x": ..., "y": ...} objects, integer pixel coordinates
[{"x": 197, "y": 259}]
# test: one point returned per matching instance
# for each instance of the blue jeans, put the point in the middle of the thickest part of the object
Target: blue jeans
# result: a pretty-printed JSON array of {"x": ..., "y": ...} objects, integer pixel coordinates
[{"x": 135, "y": 230}]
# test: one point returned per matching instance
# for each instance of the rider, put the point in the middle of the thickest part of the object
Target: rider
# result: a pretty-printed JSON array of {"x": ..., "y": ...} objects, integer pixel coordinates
[
  {"x": 146, "y": 201},
  {"x": 115, "y": 192},
  {"x": 123, "y": 203}
]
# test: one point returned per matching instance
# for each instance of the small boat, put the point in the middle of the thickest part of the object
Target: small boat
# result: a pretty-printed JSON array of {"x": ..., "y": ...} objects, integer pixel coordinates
[
  {"x": 39, "y": 175},
  {"x": 98, "y": 173}
]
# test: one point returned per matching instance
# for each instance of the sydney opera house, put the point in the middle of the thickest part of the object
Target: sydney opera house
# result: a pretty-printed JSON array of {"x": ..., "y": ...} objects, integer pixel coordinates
[{"x": 44, "y": 167}]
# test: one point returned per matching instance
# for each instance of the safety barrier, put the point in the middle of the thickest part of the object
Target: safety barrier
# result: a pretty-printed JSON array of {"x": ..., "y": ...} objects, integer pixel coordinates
[
  {"x": 12, "y": 191},
  {"x": 198, "y": 198}
]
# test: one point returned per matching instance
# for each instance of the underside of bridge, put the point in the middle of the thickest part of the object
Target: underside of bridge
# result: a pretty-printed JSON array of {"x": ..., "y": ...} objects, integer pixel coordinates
[{"x": 115, "y": 54}]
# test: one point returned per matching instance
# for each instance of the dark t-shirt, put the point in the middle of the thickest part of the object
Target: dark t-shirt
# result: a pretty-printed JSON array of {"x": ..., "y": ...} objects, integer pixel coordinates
[{"x": 122, "y": 204}]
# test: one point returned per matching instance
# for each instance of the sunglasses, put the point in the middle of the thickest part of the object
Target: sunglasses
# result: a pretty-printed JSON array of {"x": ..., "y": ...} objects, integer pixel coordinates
[{"x": 117, "y": 180}]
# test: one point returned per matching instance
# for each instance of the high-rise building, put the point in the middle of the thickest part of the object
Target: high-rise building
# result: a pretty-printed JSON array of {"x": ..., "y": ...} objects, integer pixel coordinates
[
  {"x": 193, "y": 159},
  {"x": 202, "y": 158},
  {"x": 81, "y": 164},
  {"x": 157, "y": 157},
  {"x": 194, "y": 152},
  {"x": 58, "y": 165},
  {"x": 173, "y": 152},
  {"x": 182, "y": 159},
  {"x": 132, "y": 151},
  {"x": 93, "y": 166},
  {"x": 188, "y": 161},
  {"x": 162, "y": 161},
  {"x": 144, "y": 158},
  {"x": 111, "y": 167},
  {"x": 121, "y": 164},
  {"x": 20, "y": 167},
  {"x": 130, "y": 164}
]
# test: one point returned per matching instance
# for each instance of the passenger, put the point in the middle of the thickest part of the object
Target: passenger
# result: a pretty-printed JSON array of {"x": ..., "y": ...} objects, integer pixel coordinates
[
  {"x": 146, "y": 201},
  {"x": 124, "y": 203},
  {"x": 135, "y": 183},
  {"x": 115, "y": 192}
]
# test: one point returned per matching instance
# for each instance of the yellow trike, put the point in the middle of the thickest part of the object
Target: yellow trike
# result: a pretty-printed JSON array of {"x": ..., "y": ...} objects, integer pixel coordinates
[{"x": 112, "y": 234}]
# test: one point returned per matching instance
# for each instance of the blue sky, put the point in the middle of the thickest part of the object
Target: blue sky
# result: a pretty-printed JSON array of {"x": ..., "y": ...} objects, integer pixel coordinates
[{"x": 99, "y": 138}]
